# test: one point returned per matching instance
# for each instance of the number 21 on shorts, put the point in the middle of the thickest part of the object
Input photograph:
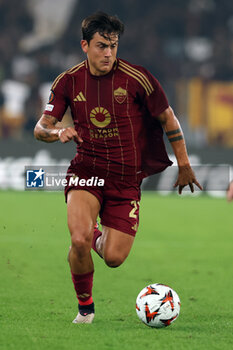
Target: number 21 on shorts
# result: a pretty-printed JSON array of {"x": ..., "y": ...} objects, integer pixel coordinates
[{"x": 133, "y": 214}]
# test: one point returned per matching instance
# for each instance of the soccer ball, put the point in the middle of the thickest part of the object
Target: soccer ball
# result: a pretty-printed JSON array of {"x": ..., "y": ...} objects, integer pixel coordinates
[{"x": 157, "y": 305}]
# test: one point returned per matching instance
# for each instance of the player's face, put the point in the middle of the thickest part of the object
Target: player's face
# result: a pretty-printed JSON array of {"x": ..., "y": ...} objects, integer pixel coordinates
[{"x": 101, "y": 52}]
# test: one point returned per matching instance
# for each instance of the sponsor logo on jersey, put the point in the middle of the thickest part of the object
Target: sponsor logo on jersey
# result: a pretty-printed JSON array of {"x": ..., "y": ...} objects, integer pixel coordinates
[
  {"x": 120, "y": 95},
  {"x": 80, "y": 97},
  {"x": 104, "y": 133},
  {"x": 100, "y": 117}
]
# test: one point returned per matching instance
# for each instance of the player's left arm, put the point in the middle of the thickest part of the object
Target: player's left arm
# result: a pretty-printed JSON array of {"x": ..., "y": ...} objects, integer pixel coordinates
[
  {"x": 230, "y": 192},
  {"x": 175, "y": 135}
]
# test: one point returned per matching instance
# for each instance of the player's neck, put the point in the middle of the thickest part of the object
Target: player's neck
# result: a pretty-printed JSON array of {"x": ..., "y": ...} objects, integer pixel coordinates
[{"x": 97, "y": 73}]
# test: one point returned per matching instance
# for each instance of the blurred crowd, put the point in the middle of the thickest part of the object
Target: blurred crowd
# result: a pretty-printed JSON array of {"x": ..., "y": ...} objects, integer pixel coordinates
[{"x": 174, "y": 39}]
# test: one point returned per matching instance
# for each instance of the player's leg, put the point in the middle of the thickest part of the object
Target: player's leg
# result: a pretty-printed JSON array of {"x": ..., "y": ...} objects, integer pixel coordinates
[
  {"x": 120, "y": 219},
  {"x": 82, "y": 210},
  {"x": 114, "y": 246},
  {"x": 95, "y": 241}
]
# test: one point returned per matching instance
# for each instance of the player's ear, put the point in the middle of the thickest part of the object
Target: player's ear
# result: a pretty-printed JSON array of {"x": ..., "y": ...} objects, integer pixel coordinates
[{"x": 84, "y": 45}]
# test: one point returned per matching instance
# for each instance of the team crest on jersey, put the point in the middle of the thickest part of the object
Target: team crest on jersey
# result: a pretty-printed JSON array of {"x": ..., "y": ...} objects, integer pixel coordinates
[
  {"x": 120, "y": 95},
  {"x": 100, "y": 117}
]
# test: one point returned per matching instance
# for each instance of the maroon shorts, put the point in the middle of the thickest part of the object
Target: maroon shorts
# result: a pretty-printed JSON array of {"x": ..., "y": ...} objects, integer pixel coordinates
[{"x": 119, "y": 200}]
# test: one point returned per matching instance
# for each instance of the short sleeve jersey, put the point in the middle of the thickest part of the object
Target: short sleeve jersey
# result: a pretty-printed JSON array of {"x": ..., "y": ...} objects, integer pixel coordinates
[{"x": 115, "y": 114}]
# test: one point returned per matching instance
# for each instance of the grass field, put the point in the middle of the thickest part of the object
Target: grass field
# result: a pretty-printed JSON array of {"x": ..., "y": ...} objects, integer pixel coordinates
[{"x": 185, "y": 242}]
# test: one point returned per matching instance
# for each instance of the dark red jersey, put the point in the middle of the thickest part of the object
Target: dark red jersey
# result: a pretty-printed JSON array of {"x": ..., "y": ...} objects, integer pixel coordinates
[{"x": 115, "y": 114}]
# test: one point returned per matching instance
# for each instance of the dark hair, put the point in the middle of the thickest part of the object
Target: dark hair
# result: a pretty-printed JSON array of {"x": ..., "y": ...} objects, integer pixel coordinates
[{"x": 101, "y": 23}]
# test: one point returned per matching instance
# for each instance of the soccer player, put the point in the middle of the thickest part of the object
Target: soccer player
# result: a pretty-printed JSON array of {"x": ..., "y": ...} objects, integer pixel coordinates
[{"x": 119, "y": 112}]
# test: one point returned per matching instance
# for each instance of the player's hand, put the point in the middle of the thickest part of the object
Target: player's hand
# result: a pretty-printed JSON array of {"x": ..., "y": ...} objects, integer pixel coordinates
[
  {"x": 230, "y": 192},
  {"x": 186, "y": 177},
  {"x": 68, "y": 134}
]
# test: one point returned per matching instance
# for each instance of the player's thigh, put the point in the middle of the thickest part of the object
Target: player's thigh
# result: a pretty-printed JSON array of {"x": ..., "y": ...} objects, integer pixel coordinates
[
  {"x": 116, "y": 246},
  {"x": 82, "y": 210}
]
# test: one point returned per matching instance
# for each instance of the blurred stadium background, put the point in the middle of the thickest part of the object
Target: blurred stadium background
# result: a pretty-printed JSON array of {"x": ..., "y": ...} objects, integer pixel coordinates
[
  {"x": 186, "y": 44},
  {"x": 182, "y": 241}
]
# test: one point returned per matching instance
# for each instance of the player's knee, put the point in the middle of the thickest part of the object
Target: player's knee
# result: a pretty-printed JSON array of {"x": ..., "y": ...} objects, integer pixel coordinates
[
  {"x": 81, "y": 245},
  {"x": 114, "y": 260},
  {"x": 81, "y": 240}
]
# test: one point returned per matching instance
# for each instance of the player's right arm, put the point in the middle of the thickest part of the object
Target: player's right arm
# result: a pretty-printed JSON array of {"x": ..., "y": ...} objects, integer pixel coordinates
[{"x": 46, "y": 130}]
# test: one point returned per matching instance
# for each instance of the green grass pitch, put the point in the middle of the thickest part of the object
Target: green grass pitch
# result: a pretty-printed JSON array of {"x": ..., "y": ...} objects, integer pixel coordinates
[{"x": 183, "y": 241}]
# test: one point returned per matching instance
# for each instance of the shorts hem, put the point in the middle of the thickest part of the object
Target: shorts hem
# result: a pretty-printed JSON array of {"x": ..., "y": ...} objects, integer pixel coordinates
[{"x": 116, "y": 227}]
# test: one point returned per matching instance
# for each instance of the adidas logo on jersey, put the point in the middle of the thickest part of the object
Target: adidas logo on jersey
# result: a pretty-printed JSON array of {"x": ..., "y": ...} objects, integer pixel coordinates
[{"x": 80, "y": 97}]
